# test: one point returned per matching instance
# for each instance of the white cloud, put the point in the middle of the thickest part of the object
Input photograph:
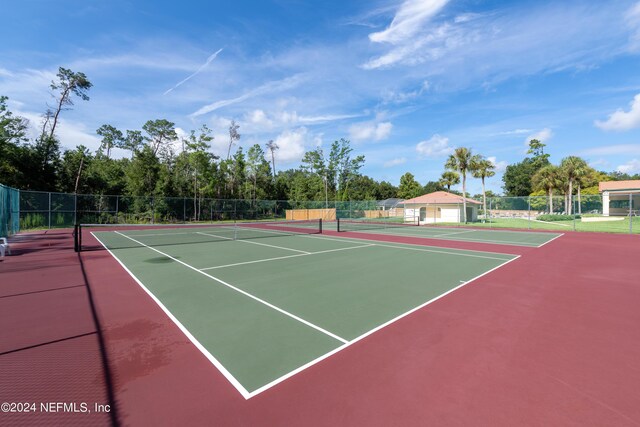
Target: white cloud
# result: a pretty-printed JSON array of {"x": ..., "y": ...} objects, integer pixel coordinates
[
  {"x": 514, "y": 132},
  {"x": 269, "y": 87},
  {"x": 291, "y": 145},
  {"x": 326, "y": 118},
  {"x": 198, "y": 71},
  {"x": 436, "y": 146},
  {"x": 631, "y": 167},
  {"x": 259, "y": 118},
  {"x": 543, "y": 136},
  {"x": 632, "y": 18},
  {"x": 599, "y": 163},
  {"x": 399, "y": 97},
  {"x": 395, "y": 162},
  {"x": 499, "y": 165},
  {"x": 370, "y": 131},
  {"x": 623, "y": 120},
  {"x": 409, "y": 19},
  {"x": 462, "y": 50}
]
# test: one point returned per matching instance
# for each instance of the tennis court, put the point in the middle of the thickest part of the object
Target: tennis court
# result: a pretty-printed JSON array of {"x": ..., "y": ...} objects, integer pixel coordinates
[
  {"x": 463, "y": 234},
  {"x": 264, "y": 301}
]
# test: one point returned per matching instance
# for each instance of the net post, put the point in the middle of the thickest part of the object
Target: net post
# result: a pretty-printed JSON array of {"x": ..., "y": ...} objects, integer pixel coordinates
[
  {"x": 338, "y": 224},
  {"x": 320, "y": 226},
  {"x": 77, "y": 237}
]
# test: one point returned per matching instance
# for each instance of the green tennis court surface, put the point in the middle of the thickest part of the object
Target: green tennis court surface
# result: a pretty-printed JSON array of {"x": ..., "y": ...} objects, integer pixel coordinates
[
  {"x": 265, "y": 308},
  {"x": 504, "y": 237}
]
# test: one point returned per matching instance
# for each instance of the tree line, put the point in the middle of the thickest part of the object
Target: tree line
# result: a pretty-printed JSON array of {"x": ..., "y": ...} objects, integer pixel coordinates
[{"x": 160, "y": 163}]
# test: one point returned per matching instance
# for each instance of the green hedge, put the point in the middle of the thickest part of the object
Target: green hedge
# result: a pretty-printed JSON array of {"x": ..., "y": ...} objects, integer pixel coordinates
[{"x": 557, "y": 217}]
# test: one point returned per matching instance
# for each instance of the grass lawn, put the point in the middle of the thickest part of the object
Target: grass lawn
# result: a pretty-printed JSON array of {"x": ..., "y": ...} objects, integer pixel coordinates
[{"x": 605, "y": 226}]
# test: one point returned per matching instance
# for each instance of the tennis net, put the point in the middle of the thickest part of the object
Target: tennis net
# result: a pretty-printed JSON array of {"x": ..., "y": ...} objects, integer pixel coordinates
[
  {"x": 122, "y": 236},
  {"x": 361, "y": 224}
]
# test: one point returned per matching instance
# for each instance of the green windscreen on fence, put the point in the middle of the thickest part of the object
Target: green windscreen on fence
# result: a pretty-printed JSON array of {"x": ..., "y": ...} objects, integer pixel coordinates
[{"x": 9, "y": 210}]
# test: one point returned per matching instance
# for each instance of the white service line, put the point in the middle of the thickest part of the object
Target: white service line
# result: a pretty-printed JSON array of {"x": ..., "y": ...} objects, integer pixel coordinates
[
  {"x": 376, "y": 329},
  {"x": 255, "y": 243},
  {"x": 268, "y": 304},
  {"x": 451, "y": 234},
  {"x": 285, "y": 257}
]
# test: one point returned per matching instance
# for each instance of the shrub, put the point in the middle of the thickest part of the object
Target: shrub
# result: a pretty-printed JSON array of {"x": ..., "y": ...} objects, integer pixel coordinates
[{"x": 556, "y": 217}]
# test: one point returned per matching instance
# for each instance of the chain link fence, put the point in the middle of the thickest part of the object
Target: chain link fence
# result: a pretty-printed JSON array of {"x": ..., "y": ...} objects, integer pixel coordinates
[
  {"x": 9, "y": 211},
  {"x": 620, "y": 213}
]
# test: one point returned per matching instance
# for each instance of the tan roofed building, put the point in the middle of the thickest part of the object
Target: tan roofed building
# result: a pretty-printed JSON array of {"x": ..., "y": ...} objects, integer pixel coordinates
[
  {"x": 440, "y": 207},
  {"x": 620, "y": 197}
]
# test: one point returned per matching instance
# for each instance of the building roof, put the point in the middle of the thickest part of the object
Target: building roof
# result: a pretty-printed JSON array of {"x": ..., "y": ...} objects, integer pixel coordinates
[
  {"x": 390, "y": 203},
  {"x": 619, "y": 185},
  {"x": 440, "y": 197}
]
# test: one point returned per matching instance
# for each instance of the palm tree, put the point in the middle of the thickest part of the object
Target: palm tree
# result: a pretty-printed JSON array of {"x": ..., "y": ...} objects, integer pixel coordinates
[
  {"x": 585, "y": 177},
  {"x": 547, "y": 179},
  {"x": 272, "y": 146},
  {"x": 572, "y": 168},
  {"x": 483, "y": 169},
  {"x": 449, "y": 178},
  {"x": 462, "y": 160}
]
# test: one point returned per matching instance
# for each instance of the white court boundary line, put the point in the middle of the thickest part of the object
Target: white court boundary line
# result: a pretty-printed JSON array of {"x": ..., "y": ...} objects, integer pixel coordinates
[
  {"x": 241, "y": 389},
  {"x": 390, "y": 231},
  {"x": 549, "y": 241},
  {"x": 245, "y": 293},
  {"x": 419, "y": 248},
  {"x": 285, "y": 257}
]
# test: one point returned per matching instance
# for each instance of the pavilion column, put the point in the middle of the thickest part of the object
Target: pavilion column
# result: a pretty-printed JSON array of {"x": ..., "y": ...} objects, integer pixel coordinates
[{"x": 605, "y": 203}]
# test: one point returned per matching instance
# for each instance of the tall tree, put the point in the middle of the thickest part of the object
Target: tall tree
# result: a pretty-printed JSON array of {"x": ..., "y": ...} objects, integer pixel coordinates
[
  {"x": 449, "y": 178},
  {"x": 111, "y": 138},
  {"x": 483, "y": 169},
  {"x": 463, "y": 161},
  {"x": 586, "y": 176},
  {"x": 517, "y": 177},
  {"x": 536, "y": 148},
  {"x": 572, "y": 167},
  {"x": 547, "y": 180},
  {"x": 68, "y": 84},
  {"x": 13, "y": 155},
  {"x": 272, "y": 147},
  {"x": 257, "y": 167},
  {"x": 133, "y": 141},
  {"x": 233, "y": 136},
  {"x": 160, "y": 135},
  {"x": 338, "y": 170},
  {"x": 409, "y": 187}
]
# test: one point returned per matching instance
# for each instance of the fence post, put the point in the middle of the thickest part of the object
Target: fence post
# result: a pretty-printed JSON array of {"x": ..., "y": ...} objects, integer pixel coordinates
[
  {"x": 75, "y": 208},
  {"x": 184, "y": 209},
  {"x": 529, "y": 212},
  {"x": 49, "y": 210},
  {"x": 630, "y": 213},
  {"x": 117, "y": 198},
  {"x": 153, "y": 210}
]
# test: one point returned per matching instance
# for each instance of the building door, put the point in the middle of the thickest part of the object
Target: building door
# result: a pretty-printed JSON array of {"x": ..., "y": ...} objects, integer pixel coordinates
[{"x": 423, "y": 213}]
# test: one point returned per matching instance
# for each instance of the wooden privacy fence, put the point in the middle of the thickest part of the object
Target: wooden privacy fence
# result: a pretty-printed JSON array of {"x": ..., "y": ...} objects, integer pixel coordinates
[
  {"x": 394, "y": 212},
  {"x": 301, "y": 214}
]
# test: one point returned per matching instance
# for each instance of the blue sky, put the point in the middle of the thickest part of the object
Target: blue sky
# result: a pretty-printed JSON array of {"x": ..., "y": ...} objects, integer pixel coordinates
[{"x": 405, "y": 81}]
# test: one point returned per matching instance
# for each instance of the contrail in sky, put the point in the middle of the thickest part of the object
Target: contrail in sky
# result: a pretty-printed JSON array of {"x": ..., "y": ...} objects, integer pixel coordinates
[{"x": 202, "y": 67}]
